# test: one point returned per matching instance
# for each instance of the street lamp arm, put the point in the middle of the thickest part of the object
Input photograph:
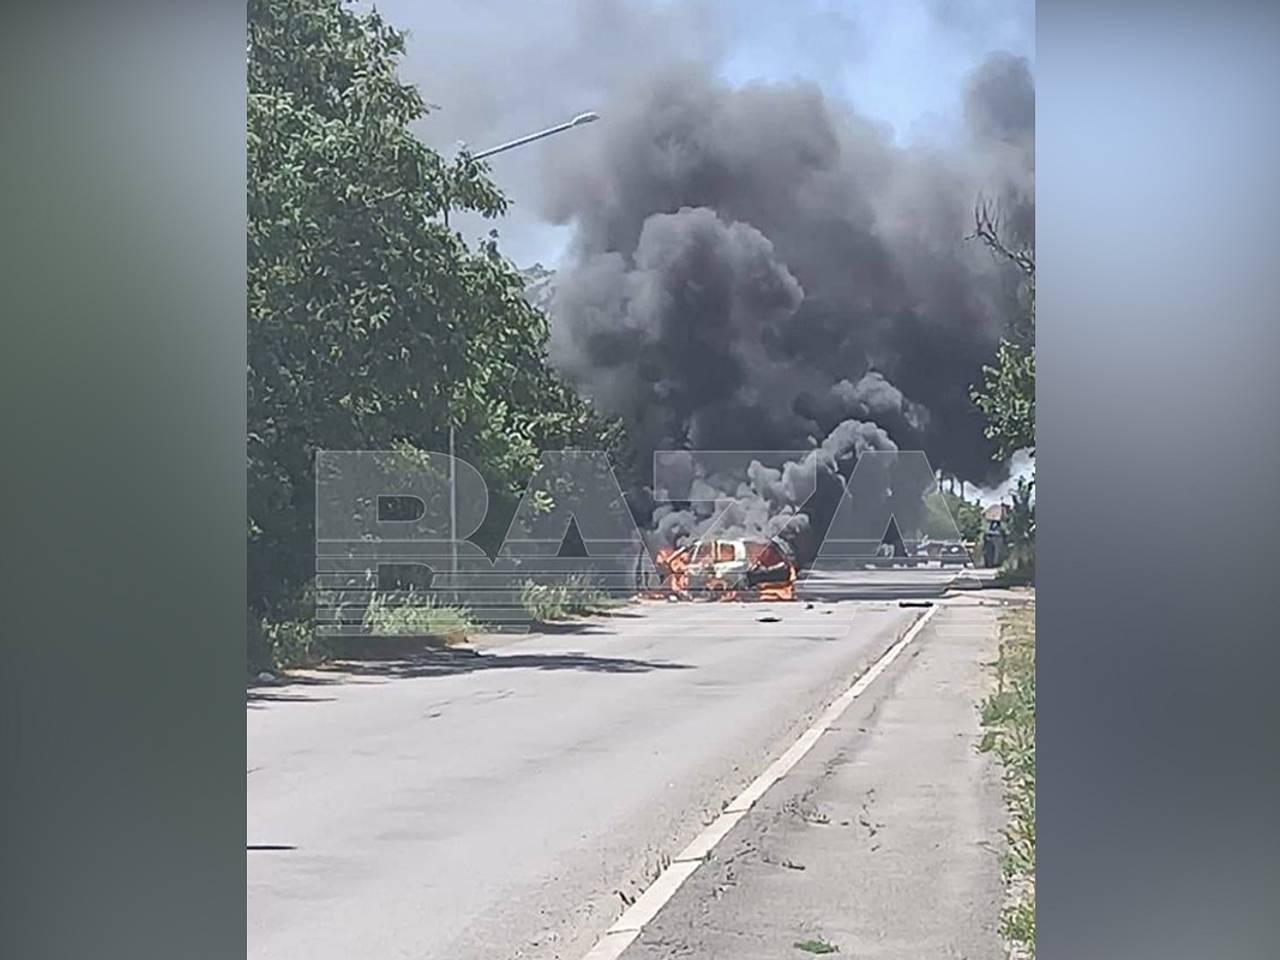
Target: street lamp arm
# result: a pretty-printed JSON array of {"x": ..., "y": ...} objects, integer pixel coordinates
[{"x": 577, "y": 121}]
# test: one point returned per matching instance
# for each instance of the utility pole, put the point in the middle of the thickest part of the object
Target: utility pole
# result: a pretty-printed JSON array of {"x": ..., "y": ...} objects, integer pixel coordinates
[
  {"x": 577, "y": 121},
  {"x": 453, "y": 473},
  {"x": 453, "y": 514}
]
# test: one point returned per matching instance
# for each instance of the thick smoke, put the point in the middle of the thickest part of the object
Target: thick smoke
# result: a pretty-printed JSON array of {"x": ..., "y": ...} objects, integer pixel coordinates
[
  {"x": 792, "y": 501},
  {"x": 750, "y": 267},
  {"x": 761, "y": 268},
  {"x": 680, "y": 337}
]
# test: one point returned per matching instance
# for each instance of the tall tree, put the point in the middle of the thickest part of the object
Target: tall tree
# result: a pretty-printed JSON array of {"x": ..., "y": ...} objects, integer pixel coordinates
[
  {"x": 371, "y": 323},
  {"x": 1008, "y": 394}
]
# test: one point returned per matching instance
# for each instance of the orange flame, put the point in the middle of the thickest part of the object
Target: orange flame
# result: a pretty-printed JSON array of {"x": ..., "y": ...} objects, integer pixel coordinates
[{"x": 673, "y": 565}]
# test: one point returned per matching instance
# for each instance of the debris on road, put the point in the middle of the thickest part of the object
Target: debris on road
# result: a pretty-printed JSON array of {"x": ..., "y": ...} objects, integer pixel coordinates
[{"x": 817, "y": 945}]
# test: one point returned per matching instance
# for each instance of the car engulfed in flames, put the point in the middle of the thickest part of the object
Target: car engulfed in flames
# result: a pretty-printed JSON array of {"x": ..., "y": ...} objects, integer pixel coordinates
[{"x": 741, "y": 569}]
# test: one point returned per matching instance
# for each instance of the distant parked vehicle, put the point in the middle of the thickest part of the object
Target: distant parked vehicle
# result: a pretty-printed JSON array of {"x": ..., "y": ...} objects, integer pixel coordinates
[{"x": 944, "y": 551}]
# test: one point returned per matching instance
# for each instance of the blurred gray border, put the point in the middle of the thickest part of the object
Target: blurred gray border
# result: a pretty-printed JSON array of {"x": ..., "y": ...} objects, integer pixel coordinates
[
  {"x": 1158, "y": 200},
  {"x": 122, "y": 688}
]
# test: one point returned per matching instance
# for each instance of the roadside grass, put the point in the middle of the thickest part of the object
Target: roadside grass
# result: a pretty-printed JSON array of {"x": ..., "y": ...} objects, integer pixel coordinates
[
  {"x": 576, "y": 597},
  {"x": 1009, "y": 720},
  {"x": 274, "y": 645},
  {"x": 287, "y": 639},
  {"x": 414, "y": 615}
]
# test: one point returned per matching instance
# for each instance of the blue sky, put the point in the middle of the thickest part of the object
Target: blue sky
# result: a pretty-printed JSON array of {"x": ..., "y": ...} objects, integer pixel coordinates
[
  {"x": 499, "y": 69},
  {"x": 899, "y": 61},
  {"x": 502, "y": 68}
]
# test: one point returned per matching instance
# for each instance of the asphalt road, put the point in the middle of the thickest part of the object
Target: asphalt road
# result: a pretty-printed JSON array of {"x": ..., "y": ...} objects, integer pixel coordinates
[
  {"x": 505, "y": 803},
  {"x": 883, "y": 842}
]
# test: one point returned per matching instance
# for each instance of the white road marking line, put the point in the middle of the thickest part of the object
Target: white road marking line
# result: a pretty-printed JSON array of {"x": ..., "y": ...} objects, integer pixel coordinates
[
  {"x": 704, "y": 842},
  {"x": 611, "y": 945},
  {"x": 655, "y": 897},
  {"x": 628, "y": 926}
]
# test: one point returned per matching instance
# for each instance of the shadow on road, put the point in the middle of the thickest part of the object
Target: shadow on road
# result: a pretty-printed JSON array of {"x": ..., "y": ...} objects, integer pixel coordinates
[
  {"x": 258, "y": 696},
  {"x": 559, "y": 628},
  {"x": 401, "y": 660},
  {"x": 447, "y": 661}
]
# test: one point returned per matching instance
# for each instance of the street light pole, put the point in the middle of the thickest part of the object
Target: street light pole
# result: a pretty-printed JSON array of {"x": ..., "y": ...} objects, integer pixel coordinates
[
  {"x": 453, "y": 515},
  {"x": 579, "y": 120}
]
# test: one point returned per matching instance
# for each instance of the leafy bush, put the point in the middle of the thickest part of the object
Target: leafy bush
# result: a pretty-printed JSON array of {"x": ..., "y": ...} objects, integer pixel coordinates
[
  {"x": 284, "y": 636},
  {"x": 1020, "y": 567},
  {"x": 293, "y": 643},
  {"x": 966, "y": 514}
]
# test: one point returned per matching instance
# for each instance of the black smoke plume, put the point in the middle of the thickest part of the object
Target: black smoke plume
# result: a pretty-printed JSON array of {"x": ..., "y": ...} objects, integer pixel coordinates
[{"x": 762, "y": 268}]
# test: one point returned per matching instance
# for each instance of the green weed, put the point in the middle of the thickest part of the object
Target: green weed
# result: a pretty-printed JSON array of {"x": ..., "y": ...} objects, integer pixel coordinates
[
  {"x": 1009, "y": 721},
  {"x": 412, "y": 614},
  {"x": 577, "y": 596}
]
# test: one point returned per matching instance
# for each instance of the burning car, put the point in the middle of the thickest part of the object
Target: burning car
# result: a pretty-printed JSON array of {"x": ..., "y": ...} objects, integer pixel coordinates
[{"x": 740, "y": 569}]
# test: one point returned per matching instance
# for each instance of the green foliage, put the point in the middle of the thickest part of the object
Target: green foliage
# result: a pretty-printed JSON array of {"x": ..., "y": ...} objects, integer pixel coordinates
[
  {"x": 370, "y": 322},
  {"x": 1008, "y": 398},
  {"x": 966, "y": 514},
  {"x": 576, "y": 597},
  {"x": 284, "y": 637},
  {"x": 291, "y": 643},
  {"x": 1009, "y": 719},
  {"x": 1008, "y": 393},
  {"x": 416, "y": 615},
  {"x": 1020, "y": 567}
]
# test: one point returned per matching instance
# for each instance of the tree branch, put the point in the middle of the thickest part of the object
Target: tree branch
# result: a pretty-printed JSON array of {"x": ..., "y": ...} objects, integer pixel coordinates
[{"x": 986, "y": 219}]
